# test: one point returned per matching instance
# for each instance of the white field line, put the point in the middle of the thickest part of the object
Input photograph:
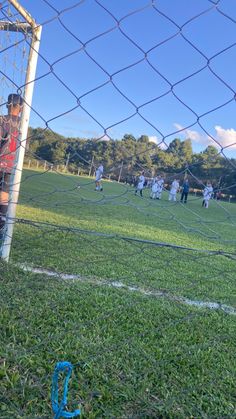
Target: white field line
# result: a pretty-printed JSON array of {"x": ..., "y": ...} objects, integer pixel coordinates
[{"x": 117, "y": 284}]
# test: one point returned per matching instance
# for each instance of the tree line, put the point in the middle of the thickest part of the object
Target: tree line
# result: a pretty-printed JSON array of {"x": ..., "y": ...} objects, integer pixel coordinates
[{"x": 135, "y": 154}]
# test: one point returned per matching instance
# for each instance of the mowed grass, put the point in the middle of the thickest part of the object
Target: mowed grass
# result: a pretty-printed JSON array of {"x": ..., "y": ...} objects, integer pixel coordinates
[
  {"x": 116, "y": 212},
  {"x": 140, "y": 356}
]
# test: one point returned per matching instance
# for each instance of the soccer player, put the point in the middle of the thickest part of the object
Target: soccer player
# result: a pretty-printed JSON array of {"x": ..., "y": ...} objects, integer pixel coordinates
[
  {"x": 160, "y": 182},
  {"x": 9, "y": 132},
  {"x": 207, "y": 194},
  {"x": 173, "y": 190},
  {"x": 185, "y": 191},
  {"x": 98, "y": 178},
  {"x": 140, "y": 185},
  {"x": 154, "y": 189}
]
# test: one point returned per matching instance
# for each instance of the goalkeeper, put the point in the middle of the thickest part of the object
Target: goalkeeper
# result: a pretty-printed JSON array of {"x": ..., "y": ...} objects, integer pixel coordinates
[{"x": 9, "y": 132}]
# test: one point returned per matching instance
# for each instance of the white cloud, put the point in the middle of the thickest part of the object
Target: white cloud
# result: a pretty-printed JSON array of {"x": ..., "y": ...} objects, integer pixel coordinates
[
  {"x": 154, "y": 139},
  {"x": 191, "y": 134},
  {"x": 105, "y": 138},
  {"x": 226, "y": 137}
]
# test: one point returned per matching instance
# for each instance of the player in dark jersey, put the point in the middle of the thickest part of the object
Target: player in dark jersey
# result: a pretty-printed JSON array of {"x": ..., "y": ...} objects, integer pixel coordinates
[{"x": 9, "y": 132}]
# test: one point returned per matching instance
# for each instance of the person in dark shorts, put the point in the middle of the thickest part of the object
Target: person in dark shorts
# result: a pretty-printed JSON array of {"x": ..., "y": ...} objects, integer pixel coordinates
[
  {"x": 9, "y": 131},
  {"x": 185, "y": 191},
  {"x": 140, "y": 184}
]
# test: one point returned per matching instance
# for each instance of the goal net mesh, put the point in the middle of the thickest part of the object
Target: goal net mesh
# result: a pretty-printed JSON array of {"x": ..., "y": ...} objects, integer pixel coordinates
[{"x": 143, "y": 90}]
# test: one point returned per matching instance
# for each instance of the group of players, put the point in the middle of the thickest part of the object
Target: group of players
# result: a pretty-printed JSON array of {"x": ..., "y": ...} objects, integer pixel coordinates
[
  {"x": 157, "y": 185},
  {"x": 9, "y": 132}
]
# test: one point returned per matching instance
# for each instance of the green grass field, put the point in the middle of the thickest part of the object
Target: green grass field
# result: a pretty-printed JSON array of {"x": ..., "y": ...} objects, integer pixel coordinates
[{"x": 131, "y": 319}]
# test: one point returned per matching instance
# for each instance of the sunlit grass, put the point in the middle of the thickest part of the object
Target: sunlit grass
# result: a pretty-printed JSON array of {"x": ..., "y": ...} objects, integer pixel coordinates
[{"x": 139, "y": 356}]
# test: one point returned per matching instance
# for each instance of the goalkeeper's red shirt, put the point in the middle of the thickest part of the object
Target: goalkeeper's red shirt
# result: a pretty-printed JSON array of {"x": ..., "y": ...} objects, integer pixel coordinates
[{"x": 9, "y": 132}]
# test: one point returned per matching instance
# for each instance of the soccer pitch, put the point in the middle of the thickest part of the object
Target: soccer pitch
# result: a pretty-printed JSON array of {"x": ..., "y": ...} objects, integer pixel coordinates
[{"x": 148, "y": 311}]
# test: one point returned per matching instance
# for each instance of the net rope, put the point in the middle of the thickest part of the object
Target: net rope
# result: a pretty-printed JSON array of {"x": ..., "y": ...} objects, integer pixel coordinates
[{"x": 70, "y": 240}]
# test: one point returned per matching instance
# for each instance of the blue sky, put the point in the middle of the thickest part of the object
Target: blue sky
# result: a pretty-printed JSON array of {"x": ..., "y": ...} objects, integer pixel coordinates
[{"x": 140, "y": 67}]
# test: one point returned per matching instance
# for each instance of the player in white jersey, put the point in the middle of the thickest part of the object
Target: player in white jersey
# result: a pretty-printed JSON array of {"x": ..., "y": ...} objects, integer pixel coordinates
[
  {"x": 207, "y": 194},
  {"x": 173, "y": 190},
  {"x": 154, "y": 189},
  {"x": 98, "y": 178},
  {"x": 160, "y": 183},
  {"x": 140, "y": 184}
]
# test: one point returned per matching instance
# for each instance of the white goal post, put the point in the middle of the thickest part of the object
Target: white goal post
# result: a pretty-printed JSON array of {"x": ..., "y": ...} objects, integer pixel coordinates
[{"x": 32, "y": 33}]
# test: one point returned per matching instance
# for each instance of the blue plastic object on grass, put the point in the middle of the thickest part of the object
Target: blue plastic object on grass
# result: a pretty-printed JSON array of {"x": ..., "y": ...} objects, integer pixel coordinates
[{"x": 58, "y": 407}]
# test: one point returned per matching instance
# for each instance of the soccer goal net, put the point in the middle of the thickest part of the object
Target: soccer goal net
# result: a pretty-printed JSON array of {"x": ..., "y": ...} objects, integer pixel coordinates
[{"x": 127, "y": 204}]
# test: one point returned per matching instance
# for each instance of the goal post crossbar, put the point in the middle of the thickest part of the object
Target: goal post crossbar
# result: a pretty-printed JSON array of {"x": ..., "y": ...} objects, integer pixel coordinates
[
  {"x": 24, "y": 13},
  {"x": 15, "y": 27}
]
